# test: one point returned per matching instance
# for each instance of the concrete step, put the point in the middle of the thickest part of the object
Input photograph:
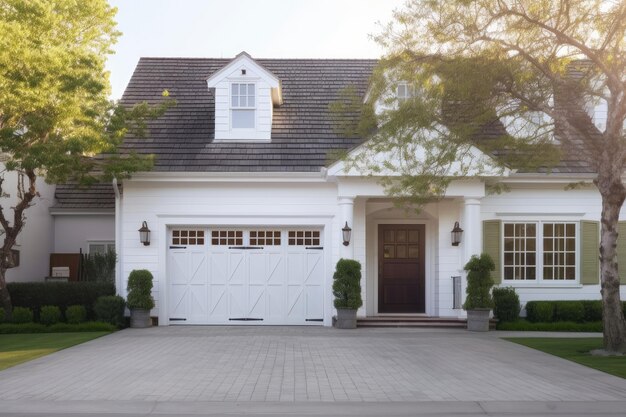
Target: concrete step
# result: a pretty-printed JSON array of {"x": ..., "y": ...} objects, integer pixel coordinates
[{"x": 414, "y": 322}]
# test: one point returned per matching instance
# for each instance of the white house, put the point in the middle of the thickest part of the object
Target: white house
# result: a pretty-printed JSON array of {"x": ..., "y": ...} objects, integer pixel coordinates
[{"x": 246, "y": 210}]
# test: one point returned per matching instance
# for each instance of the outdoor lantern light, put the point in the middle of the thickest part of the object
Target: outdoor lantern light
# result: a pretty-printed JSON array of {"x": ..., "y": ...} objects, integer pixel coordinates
[
  {"x": 346, "y": 234},
  {"x": 457, "y": 232},
  {"x": 144, "y": 234}
]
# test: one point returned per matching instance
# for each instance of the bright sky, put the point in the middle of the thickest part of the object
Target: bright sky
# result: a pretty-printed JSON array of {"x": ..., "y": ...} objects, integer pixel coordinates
[{"x": 263, "y": 28}]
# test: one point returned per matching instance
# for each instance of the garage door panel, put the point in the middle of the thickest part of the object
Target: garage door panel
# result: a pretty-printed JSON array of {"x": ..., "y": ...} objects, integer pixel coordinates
[{"x": 279, "y": 282}]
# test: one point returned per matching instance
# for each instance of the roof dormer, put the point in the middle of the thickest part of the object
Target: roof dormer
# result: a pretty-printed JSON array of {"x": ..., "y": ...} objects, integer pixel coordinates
[{"x": 245, "y": 96}]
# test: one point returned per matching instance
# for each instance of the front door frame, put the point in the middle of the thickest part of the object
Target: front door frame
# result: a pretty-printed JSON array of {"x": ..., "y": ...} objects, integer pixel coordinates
[{"x": 429, "y": 263}]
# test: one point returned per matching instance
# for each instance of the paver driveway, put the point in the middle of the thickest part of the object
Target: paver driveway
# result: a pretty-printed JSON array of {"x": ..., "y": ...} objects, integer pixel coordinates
[{"x": 304, "y": 364}]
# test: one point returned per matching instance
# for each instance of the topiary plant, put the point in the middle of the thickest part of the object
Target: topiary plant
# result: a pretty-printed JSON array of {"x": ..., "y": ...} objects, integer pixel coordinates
[
  {"x": 347, "y": 284},
  {"x": 140, "y": 290},
  {"x": 479, "y": 282}
]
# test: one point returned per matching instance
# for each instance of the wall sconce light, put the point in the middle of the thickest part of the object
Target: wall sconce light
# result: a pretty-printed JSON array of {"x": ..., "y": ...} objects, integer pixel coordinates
[
  {"x": 457, "y": 233},
  {"x": 346, "y": 234},
  {"x": 144, "y": 234}
]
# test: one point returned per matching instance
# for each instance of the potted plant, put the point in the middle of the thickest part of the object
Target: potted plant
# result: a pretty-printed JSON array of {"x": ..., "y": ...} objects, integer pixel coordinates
[
  {"x": 140, "y": 300},
  {"x": 347, "y": 292},
  {"x": 479, "y": 302}
]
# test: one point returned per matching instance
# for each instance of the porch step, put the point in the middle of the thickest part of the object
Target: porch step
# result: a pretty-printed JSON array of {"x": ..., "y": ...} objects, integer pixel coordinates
[
  {"x": 411, "y": 321},
  {"x": 414, "y": 322}
]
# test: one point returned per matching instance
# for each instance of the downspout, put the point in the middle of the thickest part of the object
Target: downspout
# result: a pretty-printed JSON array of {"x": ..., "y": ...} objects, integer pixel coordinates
[{"x": 118, "y": 239}]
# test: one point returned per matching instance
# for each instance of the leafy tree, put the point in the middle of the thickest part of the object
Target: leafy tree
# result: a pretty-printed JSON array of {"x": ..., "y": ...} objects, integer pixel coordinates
[
  {"x": 523, "y": 71},
  {"x": 55, "y": 115}
]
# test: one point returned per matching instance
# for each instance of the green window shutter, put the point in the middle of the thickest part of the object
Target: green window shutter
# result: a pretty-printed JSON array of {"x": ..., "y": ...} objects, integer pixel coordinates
[
  {"x": 589, "y": 252},
  {"x": 492, "y": 238},
  {"x": 621, "y": 252}
]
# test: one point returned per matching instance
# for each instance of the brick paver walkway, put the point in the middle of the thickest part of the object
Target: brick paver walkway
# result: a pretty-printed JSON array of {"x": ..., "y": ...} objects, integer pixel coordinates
[{"x": 295, "y": 364}]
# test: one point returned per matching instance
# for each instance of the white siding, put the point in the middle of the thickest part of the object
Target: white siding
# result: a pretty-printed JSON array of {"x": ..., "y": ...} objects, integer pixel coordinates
[{"x": 544, "y": 202}]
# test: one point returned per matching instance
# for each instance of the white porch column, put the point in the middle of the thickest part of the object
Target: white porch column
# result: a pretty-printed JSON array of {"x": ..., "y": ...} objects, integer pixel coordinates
[
  {"x": 472, "y": 233},
  {"x": 346, "y": 205}
]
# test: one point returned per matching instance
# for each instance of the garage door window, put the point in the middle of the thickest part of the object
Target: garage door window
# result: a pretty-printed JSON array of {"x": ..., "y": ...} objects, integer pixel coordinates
[
  {"x": 188, "y": 237},
  {"x": 265, "y": 237},
  {"x": 304, "y": 237},
  {"x": 227, "y": 237}
]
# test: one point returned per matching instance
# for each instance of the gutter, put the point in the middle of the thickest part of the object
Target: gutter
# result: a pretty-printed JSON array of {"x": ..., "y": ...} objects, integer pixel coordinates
[{"x": 118, "y": 237}]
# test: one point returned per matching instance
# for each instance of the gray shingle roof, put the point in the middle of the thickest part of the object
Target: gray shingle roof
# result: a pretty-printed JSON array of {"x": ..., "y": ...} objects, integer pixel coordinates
[
  {"x": 302, "y": 127},
  {"x": 95, "y": 197}
]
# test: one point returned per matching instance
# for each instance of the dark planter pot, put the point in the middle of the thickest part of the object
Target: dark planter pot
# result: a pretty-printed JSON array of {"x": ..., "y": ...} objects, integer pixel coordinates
[
  {"x": 478, "y": 320},
  {"x": 140, "y": 318},
  {"x": 346, "y": 318}
]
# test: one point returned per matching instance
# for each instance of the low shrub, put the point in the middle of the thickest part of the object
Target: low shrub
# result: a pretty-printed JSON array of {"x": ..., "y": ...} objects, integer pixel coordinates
[
  {"x": 557, "y": 326},
  {"x": 110, "y": 309},
  {"x": 569, "y": 311},
  {"x": 49, "y": 315},
  {"x": 506, "y": 304},
  {"x": 76, "y": 314},
  {"x": 91, "y": 326},
  {"x": 14, "y": 328},
  {"x": 22, "y": 315},
  {"x": 593, "y": 310},
  {"x": 34, "y": 295},
  {"x": 540, "y": 311}
]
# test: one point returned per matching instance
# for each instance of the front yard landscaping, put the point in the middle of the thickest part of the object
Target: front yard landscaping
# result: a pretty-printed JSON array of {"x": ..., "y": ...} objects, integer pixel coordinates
[
  {"x": 577, "y": 350},
  {"x": 19, "y": 348}
]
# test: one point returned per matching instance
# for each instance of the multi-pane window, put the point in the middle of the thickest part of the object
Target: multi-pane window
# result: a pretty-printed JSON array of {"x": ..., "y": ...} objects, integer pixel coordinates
[
  {"x": 265, "y": 237},
  {"x": 539, "y": 251},
  {"x": 404, "y": 92},
  {"x": 101, "y": 247},
  {"x": 559, "y": 251},
  {"x": 304, "y": 237},
  {"x": 227, "y": 237},
  {"x": 187, "y": 237},
  {"x": 243, "y": 104},
  {"x": 520, "y": 256}
]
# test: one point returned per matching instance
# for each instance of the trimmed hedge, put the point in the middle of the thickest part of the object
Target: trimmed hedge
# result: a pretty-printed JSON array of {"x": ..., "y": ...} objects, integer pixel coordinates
[
  {"x": 35, "y": 295},
  {"x": 557, "y": 311},
  {"x": 93, "y": 326},
  {"x": 559, "y": 326},
  {"x": 22, "y": 315}
]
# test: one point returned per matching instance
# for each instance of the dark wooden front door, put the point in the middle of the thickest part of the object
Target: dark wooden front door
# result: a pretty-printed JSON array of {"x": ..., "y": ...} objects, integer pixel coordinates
[{"x": 401, "y": 273}]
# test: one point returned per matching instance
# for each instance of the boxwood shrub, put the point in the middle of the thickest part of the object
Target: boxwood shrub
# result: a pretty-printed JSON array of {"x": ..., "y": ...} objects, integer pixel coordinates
[
  {"x": 506, "y": 304},
  {"x": 22, "y": 315},
  {"x": 571, "y": 311},
  {"x": 76, "y": 314},
  {"x": 110, "y": 309},
  {"x": 34, "y": 295},
  {"x": 49, "y": 315}
]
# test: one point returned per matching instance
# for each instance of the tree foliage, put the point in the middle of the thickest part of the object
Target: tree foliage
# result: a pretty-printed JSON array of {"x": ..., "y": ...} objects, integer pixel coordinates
[
  {"x": 515, "y": 79},
  {"x": 56, "y": 121}
]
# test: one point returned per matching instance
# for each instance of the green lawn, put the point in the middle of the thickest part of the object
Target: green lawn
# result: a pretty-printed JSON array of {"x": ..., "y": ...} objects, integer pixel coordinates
[
  {"x": 18, "y": 348},
  {"x": 577, "y": 350}
]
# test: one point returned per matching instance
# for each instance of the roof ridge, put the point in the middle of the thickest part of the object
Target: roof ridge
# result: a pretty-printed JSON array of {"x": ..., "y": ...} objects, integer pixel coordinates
[{"x": 256, "y": 59}]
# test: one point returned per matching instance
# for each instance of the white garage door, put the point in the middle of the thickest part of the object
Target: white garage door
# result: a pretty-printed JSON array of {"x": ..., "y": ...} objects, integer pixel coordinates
[{"x": 245, "y": 276}]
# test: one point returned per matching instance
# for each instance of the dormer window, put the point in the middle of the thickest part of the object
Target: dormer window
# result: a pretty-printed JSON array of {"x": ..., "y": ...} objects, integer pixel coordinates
[
  {"x": 245, "y": 96},
  {"x": 243, "y": 105}
]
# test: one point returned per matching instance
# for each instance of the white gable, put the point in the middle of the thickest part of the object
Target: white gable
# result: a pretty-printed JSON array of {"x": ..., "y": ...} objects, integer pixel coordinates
[
  {"x": 245, "y": 96},
  {"x": 472, "y": 163}
]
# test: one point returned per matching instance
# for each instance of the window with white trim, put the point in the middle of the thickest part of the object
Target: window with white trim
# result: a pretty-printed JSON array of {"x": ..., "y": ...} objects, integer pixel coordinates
[
  {"x": 540, "y": 251},
  {"x": 243, "y": 105},
  {"x": 404, "y": 91},
  {"x": 101, "y": 247}
]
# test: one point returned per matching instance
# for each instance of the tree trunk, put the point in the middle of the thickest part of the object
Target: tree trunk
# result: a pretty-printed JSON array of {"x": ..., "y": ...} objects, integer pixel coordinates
[
  {"x": 5, "y": 297},
  {"x": 613, "y": 323}
]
